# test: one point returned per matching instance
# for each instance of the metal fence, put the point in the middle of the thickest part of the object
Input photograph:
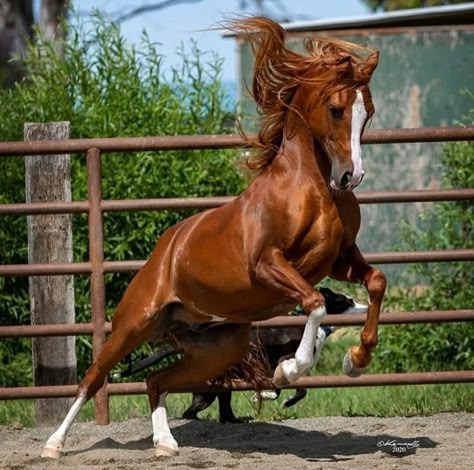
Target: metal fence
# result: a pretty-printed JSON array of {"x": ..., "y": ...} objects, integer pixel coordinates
[{"x": 95, "y": 206}]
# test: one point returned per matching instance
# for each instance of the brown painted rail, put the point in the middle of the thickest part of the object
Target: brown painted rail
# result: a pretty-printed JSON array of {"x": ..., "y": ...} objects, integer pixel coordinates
[
  {"x": 387, "y": 257},
  {"x": 197, "y": 142},
  {"x": 131, "y": 205},
  {"x": 97, "y": 267},
  {"x": 138, "y": 388},
  {"x": 423, "y": 316}
]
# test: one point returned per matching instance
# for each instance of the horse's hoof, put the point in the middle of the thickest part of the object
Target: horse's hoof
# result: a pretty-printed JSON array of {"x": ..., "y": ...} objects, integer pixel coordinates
[
  {"x": 279, "y": 377},
  {"x": 349, "y": 368},
  {"x": 190, "y": 415},
  {"x": 265, "y": 395},
  {"x": 49, "y": 452},
  {"x": 165, "y": 451}
]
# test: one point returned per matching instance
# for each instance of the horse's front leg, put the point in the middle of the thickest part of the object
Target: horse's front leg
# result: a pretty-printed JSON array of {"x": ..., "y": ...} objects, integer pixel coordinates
[
  {"x": 353, "y": 267},
  {"x": 273, "y": 270}
]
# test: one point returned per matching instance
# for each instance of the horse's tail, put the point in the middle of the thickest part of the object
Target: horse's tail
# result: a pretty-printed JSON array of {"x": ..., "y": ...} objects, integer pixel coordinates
[
  {"x": 254, "y": 369},
  {"x": 144, "y": 363}
]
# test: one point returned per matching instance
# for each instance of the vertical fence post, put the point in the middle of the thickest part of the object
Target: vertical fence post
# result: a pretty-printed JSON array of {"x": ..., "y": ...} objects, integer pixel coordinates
[
  {"x": 96, "y": 253},
  {"x": 48, "y": 178}
]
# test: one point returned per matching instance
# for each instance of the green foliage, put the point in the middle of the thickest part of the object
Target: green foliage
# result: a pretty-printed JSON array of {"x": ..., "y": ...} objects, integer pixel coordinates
[
  {"x": 106, "y": 88},
  {"x": 448, "y": 286},
  {"x": 392, "y": 5}
]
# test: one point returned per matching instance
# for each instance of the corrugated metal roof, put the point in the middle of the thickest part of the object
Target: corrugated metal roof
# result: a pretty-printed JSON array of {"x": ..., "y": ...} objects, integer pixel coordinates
[{"x": 429, "y": 16}]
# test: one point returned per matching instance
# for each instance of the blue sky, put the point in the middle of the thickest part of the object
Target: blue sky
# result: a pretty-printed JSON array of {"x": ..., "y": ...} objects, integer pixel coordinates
[{"x": 179, "y": 23}]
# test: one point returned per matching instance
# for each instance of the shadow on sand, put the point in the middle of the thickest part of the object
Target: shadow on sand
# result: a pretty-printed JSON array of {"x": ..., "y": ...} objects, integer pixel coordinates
[{"x": 276, "y": 439}]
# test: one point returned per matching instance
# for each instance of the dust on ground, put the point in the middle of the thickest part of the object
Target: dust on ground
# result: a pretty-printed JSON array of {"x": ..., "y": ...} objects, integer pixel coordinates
[{"x": 443, "y": 441}]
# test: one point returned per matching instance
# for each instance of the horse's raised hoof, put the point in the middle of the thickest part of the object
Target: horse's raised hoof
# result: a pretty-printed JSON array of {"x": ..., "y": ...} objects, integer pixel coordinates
[
  {"x": 279, "y": 377},
  {"x": 265, "y": 395},
  {"x": 50, "y": 453},
  {"x": 349, "y": 368},
  {"x": 165, "y": 451}
]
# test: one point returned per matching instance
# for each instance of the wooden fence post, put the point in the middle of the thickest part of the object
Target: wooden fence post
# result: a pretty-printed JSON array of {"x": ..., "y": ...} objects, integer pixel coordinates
[{"x": 48, "y": 178}]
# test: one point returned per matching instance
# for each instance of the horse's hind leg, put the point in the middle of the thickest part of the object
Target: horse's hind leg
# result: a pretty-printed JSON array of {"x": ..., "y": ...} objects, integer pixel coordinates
[
  {"x": 226, "y": 414},
  {"x": 201, "y": 401},
  {"x": 207, "y": 355},
  {"x": 118, "y": 345},
  {"x": 135, "y": 320}
]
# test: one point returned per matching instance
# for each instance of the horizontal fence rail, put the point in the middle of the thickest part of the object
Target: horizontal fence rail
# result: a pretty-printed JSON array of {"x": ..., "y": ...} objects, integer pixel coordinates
[
  {"x": 131, "y": 205},
  {"x": 387, "y": 257},
  {"x": 322, "y": 381},
  {"x": 97, "y": 267},
  {"x": 199, "y": 142},
  {"x": 285, "y": 321}
]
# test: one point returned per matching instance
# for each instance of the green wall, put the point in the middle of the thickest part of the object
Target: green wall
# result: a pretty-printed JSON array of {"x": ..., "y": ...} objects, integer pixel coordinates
[{"x": 417, "y": 84}]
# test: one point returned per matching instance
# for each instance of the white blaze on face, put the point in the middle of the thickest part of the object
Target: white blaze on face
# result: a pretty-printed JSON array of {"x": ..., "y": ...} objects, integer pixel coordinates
[{"x": 359, "y": 115}]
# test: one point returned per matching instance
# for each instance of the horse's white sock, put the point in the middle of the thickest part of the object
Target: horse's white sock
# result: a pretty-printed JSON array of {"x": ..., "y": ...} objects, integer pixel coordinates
[
  {"x": 162, "y": 437},
  {"x": 55, "y": 444},
  {"x": 294, "y": 368}
]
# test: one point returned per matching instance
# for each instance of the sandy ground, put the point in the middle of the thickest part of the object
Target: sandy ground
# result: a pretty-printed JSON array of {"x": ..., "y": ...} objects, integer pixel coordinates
[{"x": 443, "y": 441}]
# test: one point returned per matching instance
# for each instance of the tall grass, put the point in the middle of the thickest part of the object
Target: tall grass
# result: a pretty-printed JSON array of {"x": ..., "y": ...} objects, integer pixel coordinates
[{"x": 403, "y": 400}]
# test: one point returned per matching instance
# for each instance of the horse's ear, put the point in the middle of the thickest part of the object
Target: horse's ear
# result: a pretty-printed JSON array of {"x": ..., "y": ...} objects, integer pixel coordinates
[
  {"x": 370, "y": 64},
  {"x": 345, "y": 59}
]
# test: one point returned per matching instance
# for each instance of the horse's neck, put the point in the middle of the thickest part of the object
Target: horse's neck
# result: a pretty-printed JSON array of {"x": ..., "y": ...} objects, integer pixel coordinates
[{"x": 300, "y": 155}]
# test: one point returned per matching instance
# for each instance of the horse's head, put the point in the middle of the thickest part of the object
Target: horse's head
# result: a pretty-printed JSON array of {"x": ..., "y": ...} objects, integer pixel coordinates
[
  {"x": 336, "y": 114},
  {"x": 327, "y": 89}
]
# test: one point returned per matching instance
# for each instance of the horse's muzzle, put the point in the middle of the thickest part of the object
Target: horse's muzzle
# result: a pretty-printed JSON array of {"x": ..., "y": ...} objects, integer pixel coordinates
[
  {"x": 346, "y": 179},
  {"x": 347, "y": 182}
]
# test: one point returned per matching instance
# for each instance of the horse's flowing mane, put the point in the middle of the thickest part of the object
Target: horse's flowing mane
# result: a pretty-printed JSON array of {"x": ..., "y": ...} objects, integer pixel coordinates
[{"x": 278, "y": 71}]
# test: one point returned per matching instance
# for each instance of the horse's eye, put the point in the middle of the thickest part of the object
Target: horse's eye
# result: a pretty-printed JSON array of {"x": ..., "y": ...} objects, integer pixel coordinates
[{"x": 336, "y": 112}]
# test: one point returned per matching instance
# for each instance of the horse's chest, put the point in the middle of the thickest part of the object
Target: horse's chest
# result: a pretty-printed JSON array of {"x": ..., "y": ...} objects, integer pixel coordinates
[
  {"x": 319, "y": 247},
  {"x": 349, "y": 215}
]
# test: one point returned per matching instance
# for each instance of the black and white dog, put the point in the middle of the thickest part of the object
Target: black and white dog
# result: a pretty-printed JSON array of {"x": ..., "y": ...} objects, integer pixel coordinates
[{"x": 278, "y": 344}]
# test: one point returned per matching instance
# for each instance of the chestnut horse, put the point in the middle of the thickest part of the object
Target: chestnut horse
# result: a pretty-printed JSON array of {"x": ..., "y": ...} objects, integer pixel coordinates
[{"x": 214, "y": 273}]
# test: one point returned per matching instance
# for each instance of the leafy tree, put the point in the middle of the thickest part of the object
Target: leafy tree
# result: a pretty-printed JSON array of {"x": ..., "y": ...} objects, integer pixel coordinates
[
  {"x": 17, "y": 24},
  {"x": 272, "y": 8},
  {"x": 16, "y": 28},
  {"x": 391, "y": 5},
  {"x": 447, "y": 285},
  {"x": 106, "y": 88}
]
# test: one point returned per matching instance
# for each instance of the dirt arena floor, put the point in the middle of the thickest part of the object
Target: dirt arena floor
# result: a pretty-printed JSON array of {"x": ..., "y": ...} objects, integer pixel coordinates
[{"x": 443, "y": 441}]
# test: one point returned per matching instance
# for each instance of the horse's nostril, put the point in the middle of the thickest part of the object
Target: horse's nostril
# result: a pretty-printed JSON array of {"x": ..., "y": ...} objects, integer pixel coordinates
[{"x": 346, "y": 179}]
